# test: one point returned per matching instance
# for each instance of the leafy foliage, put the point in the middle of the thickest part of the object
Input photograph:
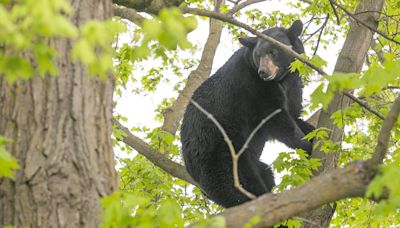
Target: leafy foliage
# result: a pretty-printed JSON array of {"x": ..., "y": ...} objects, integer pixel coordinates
[
  {"x": 297, "y": 166},
  {"x": 26, "y": 30},
  {"x": 132, "y": 209},
  {"x": 94, "y": 46},
  {"x": 7, "y": 163}
]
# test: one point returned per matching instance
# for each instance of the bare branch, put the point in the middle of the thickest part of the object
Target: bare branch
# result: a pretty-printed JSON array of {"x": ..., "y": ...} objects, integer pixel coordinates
[
  {"x": 154, "y": 156},
  {"x": 263, "y": 121},
  {"x": 128, "y": 14},
  {"x": 243, "y": 5},
  {"x": 335, "y": 12},
  {"x": 228, "y": 141},
  {"x": 364, "y": 23},
  {"x": 384, "y": 134},
  {"x": 320, "y": 33},
  {"x": 364, "y": 105}
]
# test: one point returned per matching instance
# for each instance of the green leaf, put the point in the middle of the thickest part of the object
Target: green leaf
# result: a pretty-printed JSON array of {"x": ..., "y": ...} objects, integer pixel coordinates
[{"x": 7, "y": 163}]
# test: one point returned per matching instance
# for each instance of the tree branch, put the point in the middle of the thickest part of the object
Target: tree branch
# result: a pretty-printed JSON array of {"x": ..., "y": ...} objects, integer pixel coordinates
[
  {"x": 384, "y": 134},
  {"x": 174, "y": 114},
  {"x": 364, "y": 105},
  {"x": 128, "y": 14},
  {"x": 243, "y": 5},
  {"x": 320, "y": 33},
  {"x": 152, "y": 7},
  {"x": 364, "y": 23},
  {"x": 274, "y": 208},
  {"x": 228, "y": 142},
  {"x": 235, "y": 156},
  {"x": 154, "y": 156}
]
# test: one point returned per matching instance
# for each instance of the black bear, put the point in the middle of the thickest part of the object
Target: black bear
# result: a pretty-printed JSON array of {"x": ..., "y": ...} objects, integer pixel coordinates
[{"x": 252, "y": 84}]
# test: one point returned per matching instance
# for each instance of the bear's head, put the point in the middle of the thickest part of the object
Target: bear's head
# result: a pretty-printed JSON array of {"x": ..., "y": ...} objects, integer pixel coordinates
[{"x": 271, "y": 62}]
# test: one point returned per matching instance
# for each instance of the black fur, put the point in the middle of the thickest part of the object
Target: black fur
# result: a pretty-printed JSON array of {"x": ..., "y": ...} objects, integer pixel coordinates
[{"x": 239, "y": 99}]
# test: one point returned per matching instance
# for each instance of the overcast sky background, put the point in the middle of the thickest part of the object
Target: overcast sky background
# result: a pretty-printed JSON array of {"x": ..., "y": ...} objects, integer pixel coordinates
[{"x": 140, "y": 108}]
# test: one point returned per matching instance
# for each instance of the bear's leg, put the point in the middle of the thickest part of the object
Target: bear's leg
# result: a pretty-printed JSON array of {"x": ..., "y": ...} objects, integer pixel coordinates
[
  {"x": 217, "y": 181},
  {"x": 267, "y": 175},
  {"x": 255, "y": 176},
  {"x": 220, "y": 189}
]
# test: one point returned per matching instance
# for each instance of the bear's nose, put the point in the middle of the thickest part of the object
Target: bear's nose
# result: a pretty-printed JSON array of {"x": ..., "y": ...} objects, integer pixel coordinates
[{"x": 264, "y": 74}]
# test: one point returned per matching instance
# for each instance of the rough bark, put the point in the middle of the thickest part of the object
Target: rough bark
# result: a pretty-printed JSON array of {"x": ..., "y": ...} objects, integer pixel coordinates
[
  {"x": 273, "y": 208},
  {"x": 152, "y": 6},
  {"x": 61, "y": 136},
  {"x": 351, "y": 59}
]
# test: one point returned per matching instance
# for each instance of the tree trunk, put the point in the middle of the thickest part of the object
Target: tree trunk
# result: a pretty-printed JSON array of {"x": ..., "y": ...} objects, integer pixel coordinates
[
  {"x": 351, "y": 59},
  {"x": 61, "y": 136}
]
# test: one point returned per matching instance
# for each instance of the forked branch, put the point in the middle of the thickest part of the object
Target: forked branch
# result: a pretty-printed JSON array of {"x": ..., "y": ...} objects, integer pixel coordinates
[{"x": 235, "y": 156}]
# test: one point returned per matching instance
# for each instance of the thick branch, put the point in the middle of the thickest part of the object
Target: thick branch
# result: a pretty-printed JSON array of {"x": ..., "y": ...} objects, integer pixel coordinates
[
  {"x": 384, "y": 135},
  {"x": 152, "y": 6},
  {"x": 273, "y": 208},
  {"x": 173, "y": 115},
  {"x": 154, "y": 156},
  {"x": 128, "y": 14}
]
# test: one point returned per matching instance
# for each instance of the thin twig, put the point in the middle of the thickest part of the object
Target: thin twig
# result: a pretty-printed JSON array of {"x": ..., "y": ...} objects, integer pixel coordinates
[
  {"x": 364, "y": 105},
  {"x": 363, "y": 23},
  {"x": 307, "y": 24},
  {"x": 320, "y": 34},
  {"x": 228, "y": 141},
  {"x": 335, "y": 12},
  {"x": 218, "y": 125},
  {"x": 263, "y": 121},
  {"x": 243, "y": 5}
]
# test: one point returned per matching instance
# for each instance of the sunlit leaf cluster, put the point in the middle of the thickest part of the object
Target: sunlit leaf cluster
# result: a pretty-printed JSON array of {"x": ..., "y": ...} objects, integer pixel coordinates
[{"x": 8, "y": 164}]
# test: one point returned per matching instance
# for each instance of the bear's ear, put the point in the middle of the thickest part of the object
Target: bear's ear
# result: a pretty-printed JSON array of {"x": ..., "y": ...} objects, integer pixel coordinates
[
  {"x": 295, "y": 30},
  {"x": 249, "y": 42}
]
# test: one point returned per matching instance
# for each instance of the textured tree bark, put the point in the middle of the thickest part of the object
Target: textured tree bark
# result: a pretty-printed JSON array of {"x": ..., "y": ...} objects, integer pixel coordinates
[
  {"x": 61, "y": 136},
  {"x": 273, "y": 208},
  {"x": 351, "y": 59}
]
